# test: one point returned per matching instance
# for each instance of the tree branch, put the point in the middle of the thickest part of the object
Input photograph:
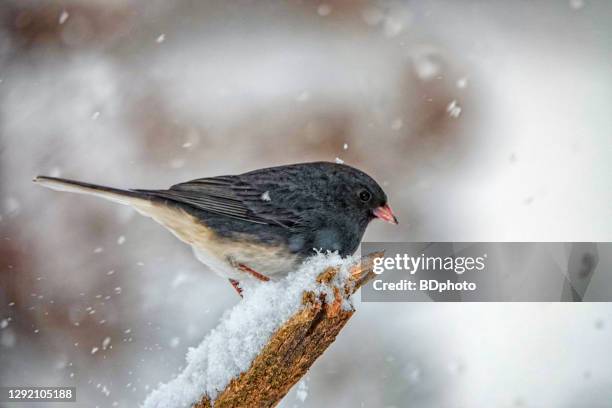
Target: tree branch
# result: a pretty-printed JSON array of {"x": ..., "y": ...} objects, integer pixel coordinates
[{"x": 294, "y": 347}]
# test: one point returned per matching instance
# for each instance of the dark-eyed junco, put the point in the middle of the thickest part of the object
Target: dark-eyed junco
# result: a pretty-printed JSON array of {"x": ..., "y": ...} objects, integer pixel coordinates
[{"x": 261, "y": 223}]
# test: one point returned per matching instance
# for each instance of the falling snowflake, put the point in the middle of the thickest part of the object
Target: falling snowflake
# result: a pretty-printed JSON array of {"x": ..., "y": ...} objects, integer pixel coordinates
[
  {"x": 576, "y": 4},
  {"x": 63, "y": 17},
  {"x": 177, "y": 163},
  {"x": 412, "y": 373},
  {"x": 339, "y": 160},
  {"x": 266, "y": 196},
  {"x": 462, "y": 83},
  {"x": 453, "y": 109},
  {"x": 425, "y": 63},
  {"x": 302, "y": 390},
  {"x": 392, "y": 27},
  {"x": 324, "y": 10},
  {"x": 161, "y": 38},
  {"x": 12, "y": 205}
]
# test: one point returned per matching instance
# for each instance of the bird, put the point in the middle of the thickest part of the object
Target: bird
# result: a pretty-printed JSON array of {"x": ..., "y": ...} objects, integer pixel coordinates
[{"x": 261, "y": 224}]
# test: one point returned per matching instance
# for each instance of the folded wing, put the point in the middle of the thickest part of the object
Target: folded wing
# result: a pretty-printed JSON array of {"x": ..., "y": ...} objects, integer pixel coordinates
[{"x": 231, "y": 196}]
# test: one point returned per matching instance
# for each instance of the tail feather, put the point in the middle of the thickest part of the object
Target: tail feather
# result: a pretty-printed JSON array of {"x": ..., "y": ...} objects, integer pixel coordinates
[
  {"x": 186, "y": 227},
  {"x": 126, "y": 197}
]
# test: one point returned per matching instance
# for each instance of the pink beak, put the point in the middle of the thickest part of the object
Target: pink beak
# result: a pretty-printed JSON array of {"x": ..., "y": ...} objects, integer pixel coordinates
[{"x": 385, "y": 213}]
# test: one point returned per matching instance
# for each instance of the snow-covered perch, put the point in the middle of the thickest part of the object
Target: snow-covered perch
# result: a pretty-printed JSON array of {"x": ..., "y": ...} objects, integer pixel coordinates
[{"x": 269, "y": 340}]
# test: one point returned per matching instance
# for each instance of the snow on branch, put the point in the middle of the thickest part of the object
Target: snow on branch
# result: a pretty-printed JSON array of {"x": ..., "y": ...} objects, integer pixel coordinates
[{"x": 269, "y": 340}]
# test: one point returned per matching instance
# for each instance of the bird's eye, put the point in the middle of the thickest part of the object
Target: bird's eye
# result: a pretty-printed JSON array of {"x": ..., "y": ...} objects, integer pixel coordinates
[{"x": 365, "y": 196}]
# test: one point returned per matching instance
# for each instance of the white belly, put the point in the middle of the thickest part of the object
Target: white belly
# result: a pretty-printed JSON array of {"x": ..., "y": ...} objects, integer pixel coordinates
[
  {"x": 262, "y": 260},
  {"x": 220, "y": 254}
]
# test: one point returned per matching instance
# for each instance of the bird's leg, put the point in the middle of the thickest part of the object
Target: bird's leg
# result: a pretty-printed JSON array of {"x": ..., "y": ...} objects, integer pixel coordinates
[
  {"x": 236, "y": 286},
  {"x": 253, "y": 273}
]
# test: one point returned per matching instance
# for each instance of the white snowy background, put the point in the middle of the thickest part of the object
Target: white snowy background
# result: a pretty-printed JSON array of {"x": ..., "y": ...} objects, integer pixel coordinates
[{"x": 485, "y": 121}]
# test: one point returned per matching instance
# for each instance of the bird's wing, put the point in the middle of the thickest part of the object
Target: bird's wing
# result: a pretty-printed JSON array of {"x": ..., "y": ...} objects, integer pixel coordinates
[{"x": 233, "y": 197}]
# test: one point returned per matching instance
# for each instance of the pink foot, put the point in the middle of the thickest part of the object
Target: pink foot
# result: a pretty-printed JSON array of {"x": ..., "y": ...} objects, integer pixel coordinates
[
  {"x": 236, "y": 286},
  {"x": 253, "y": 273}
]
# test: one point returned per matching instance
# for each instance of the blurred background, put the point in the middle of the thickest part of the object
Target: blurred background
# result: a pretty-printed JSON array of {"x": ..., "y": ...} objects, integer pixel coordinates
[{"x": 484, "y": 121}]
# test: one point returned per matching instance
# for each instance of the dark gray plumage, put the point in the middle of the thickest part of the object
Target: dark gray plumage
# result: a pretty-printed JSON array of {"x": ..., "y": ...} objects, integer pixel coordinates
[{"x": 296, "y": 208}]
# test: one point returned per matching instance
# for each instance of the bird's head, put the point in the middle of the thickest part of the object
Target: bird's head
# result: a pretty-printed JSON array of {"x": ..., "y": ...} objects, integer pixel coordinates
[{"x": 357, "y": 192}]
